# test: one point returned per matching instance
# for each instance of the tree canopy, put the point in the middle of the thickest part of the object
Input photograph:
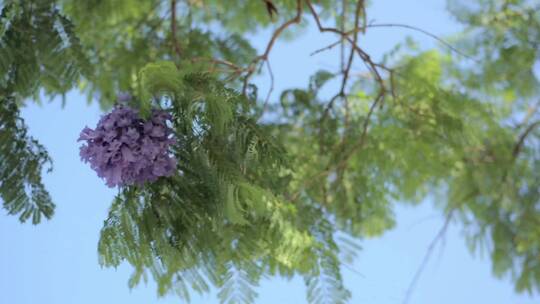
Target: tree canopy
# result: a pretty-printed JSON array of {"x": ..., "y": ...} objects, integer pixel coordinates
[{"x": 285, "y": 187}]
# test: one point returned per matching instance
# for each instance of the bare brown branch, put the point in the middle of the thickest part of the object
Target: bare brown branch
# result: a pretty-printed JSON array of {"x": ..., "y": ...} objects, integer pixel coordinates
[
  {"x": 371, "y": 65},
  {"x": 253, "y": 65},
  {"x": 347, "y": 68},
  {"x": 399, "y": 25}
]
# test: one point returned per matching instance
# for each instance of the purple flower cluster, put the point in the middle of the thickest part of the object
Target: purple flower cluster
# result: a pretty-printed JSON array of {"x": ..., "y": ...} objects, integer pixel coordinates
[{"x": 126, "y": 150}]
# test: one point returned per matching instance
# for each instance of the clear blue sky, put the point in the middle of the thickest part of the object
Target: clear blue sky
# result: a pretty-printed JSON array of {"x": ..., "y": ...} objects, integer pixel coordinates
[{"x": 56, "y": 262}]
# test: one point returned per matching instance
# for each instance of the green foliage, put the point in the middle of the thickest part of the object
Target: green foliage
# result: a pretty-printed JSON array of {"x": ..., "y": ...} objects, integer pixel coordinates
[
  {"x": 221, "y": 219},
  {"x": 324, "y": 283},
  {"x": 498, "y": 184},
  {"x": 21, "y": 162},
  {"x": 500, "y": 32},
  {"x": 38, "y": 49},
  {"x": 253, "y": 199}
]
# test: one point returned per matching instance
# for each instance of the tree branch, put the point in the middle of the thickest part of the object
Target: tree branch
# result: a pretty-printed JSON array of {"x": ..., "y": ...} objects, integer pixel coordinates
[
  {"x": 406, "y": 26},
  {"x": 271, "y": 89},
  {"x": 521, "y": 139},
  {"x": 438, "y": 237},
  {"x": 373, "y": 68},
  {"x": 347, "y": 68},
  {"x": 252, "y": 67},
  {"x": 417, "y": 29},
  {"x": 176, "y": 44}
]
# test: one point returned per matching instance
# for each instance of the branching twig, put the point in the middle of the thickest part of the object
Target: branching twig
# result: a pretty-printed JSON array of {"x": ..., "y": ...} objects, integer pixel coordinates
[
  {"x": 345, "y": 158},
  {"x": 253, "y": 65},
  {"x": 363, "y": 135},
  {"x": 373, "y": 68},
  {"x": 414, "y": 28},
  {"x": 347, "y": 68}
]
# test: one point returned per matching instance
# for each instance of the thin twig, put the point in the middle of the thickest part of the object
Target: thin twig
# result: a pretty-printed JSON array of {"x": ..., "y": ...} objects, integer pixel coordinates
[
  {"x": 417, "y": 29},
  {"x": 345, "y": 158},
  {"x": 363, "y": 135},
  {"x": 521, "y": 139},
  {"x": 342, "y": 40},
  {"x": 227, "y": 63},
  {"x": 438, "y": 237},
  {"x": 326, "y": 48},
  {"x": 347, "y": 68},
  {"x": 271, "y": 89},
  {"x": 324, "y": 116},
  {"x": 518, "y": 146},
  {"x": 372, "y": 66},
  {"x": 353, "y": 270},
  {"x": 530, "y": 112},
  {"x": 253, "y": 65},
  {"x": 175, "y": 42},
  {"x": 414, "y": 28},
  {"x": 374, "y": 69}
]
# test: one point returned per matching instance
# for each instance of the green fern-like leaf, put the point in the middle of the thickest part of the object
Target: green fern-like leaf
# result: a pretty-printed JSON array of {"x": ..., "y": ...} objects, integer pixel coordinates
[{"x": 22, "y": 160}]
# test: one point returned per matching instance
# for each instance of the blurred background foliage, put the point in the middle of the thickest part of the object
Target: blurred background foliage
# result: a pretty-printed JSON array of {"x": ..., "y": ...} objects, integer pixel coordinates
[{"x": 265, "y": 186}]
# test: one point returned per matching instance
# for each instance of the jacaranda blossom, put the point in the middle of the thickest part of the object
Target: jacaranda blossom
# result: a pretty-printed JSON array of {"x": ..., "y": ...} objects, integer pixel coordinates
[{"x": 126, "y": 150}]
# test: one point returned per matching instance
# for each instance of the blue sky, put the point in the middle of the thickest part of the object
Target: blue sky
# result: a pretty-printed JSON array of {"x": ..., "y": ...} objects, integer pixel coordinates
[{"x": 56, "y": 262}]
